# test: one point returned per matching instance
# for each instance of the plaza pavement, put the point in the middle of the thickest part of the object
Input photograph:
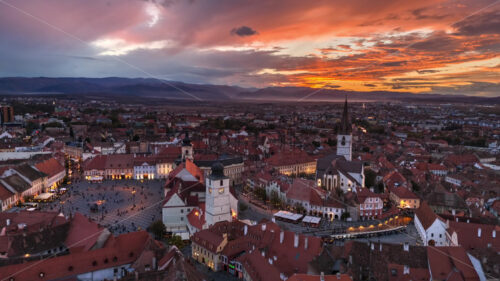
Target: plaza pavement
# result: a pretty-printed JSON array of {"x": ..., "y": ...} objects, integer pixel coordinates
[{"x": 115, "y": 201}]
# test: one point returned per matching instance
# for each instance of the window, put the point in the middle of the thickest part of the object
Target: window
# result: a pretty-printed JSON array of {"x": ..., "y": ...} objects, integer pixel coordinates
[
  {"x": 432, "y": 234},
  {"x": 182, "y": 211},
  {"x": 221, "y": 182}
]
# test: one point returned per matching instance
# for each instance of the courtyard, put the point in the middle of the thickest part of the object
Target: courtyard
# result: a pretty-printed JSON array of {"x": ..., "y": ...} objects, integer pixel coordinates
[{"x": 120, "y": 205}]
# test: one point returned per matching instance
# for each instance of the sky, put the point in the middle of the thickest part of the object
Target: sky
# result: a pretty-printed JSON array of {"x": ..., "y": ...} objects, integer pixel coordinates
[{"x": 424, "y": 46}]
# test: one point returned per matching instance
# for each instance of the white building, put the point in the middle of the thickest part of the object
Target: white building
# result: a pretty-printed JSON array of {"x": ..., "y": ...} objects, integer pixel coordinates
[
  {"x": 430, "y": 227},
  {"x": 217, "y": 196}
]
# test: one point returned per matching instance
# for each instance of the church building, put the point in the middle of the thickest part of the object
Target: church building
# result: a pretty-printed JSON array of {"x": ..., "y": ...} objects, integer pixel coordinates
[{"x": 338, "y": 170}]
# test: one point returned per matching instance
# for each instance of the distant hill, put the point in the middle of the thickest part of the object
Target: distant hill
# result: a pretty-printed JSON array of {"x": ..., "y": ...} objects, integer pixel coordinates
[{"x": 145, "y": 88}]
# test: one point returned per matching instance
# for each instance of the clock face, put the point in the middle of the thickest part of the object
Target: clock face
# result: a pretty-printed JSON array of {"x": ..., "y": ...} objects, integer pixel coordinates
[{"x": 221, "y": 190}]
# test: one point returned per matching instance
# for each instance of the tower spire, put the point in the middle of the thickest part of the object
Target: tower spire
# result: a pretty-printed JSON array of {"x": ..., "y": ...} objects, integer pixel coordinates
[{"x": 345, "y": 123}]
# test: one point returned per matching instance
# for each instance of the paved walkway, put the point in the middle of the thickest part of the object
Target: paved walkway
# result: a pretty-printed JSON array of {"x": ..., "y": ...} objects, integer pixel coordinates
[{"x": 121, "y": 206}]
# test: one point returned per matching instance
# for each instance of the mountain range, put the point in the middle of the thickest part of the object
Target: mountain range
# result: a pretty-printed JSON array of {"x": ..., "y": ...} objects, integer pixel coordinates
[{"x": 150, "y": 88}]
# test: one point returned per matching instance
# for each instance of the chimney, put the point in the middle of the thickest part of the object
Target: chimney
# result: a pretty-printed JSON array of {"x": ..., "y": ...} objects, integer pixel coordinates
[
  {"x": 263, "y": 253},
  {"x": 406, "y": 247},
  {"x": 456, "y": 219},
  {"x": 380, "y": 247},
  {"x": 282, "y": 237},
  {"x": 273, "y": 220},
  {"x": 494, "y": 233},
  {"x": 479, "y": 232},
  {"x": 305, "y": 243},
  {"x": 406, "y": 270},
  {"x": 263, "y": 227},
  {"x": 372, "y": 246},
  {"x": 322, "y": 276},
  {"x": 270, "y": 260},
  {"x": 245, "y": 230},
  {"x": 338, "y": 275},
  {"x": 296, "y": 240},
  {"x": 453, "y": 212},
  {"x": 153, "y": 262},
  {"x": 8, "y": 222},
  {"x": 468, "y": 220}
]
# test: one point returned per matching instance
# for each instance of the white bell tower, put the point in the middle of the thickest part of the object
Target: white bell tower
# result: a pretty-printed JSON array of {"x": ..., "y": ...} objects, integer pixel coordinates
[
  {"x": 217, "y": 197},
  {"x": 344, "y": 137}
]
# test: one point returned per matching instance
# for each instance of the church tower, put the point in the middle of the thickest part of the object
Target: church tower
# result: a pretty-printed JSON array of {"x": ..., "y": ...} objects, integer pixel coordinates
[
  {"x": 344, "y": 136},
  {"x": 187, "y": 148},
  {"x": 217, "y": 197}
]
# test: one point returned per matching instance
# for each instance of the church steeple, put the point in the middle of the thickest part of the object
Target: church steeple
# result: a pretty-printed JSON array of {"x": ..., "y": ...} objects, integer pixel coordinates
[
  {"x": 344, "y": 136},
  {"x": 345, "y": 123}
]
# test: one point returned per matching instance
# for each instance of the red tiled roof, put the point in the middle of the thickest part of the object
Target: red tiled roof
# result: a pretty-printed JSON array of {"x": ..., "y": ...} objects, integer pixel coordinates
[
  {"x": 467, "y": 234},
  {"x": 197, "y": 218},
  {"x": 284, "y": 158},
  {"x": 125, "y": 250},
  {"x": 51, "y": 167},
  {"x": 425, "y": 215},
  {"x": 5, "y": 193},
  {"x": 450, "y": 263},
  {"x": 403, "y": 193},
  {"x": 83, "y": 233},
  {"x": 208, "y": 239}
]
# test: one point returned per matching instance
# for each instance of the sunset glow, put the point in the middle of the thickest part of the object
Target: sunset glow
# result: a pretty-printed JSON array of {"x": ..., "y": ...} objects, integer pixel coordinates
[{"x": 429, "y": 46}]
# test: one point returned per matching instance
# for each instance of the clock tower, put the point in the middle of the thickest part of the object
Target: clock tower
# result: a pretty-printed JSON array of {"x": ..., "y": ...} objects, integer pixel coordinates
[
  {"x": 217, "y": 197},
  {"x": 344, "y": 136}
]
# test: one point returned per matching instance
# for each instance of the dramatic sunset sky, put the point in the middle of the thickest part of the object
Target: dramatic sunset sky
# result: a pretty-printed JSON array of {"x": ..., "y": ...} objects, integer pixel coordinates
[{"x": 447, "y": 47}]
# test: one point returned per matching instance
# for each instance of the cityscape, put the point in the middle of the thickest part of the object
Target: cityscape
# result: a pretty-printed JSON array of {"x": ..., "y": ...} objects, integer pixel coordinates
[{"x": 256, "y": 141}]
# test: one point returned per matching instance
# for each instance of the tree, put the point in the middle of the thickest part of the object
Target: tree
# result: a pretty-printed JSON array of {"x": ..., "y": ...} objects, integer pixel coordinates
[
  {"x": 261, "y": 194},
  {"x": 30, "y": 127},
  {"x": 242, "y": 207},
  {"x": 158, "y": 229},
  {"x": 275, "y": 199},
  {"x": 345, "y": 215},
  {"x": 415, "y": 186},
  {"x": 299, "y": 208},
  {"x": 331, "y": 142},
  {"x": 176, "y": 240},
  {"x": 370, "y": 177}
]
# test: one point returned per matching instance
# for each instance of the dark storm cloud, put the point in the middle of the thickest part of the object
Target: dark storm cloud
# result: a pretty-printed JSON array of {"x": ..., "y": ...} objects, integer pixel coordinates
[
  {"x": 424, "y": 71},
  {"x": 423, "y": 14},
  {"x": 243, "y": 31},
  {"x": 486, "y": 89},
  {"x": 437, "y": 42},
  {"x": 484, "y": 23},
  {"x": 394, "y": 63}
]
